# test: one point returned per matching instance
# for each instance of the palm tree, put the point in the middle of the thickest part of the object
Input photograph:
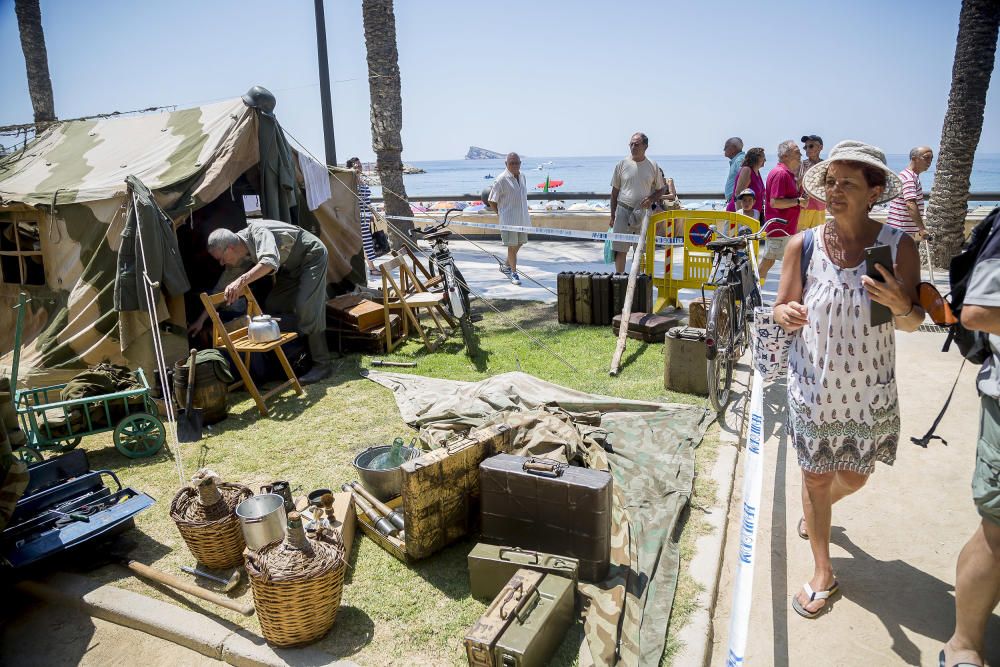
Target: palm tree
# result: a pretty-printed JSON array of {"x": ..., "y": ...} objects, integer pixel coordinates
[
  {"x": 29, "y": 23},
  {"x": 387, "y": 107},
  {"x": 963, "y": 123}
]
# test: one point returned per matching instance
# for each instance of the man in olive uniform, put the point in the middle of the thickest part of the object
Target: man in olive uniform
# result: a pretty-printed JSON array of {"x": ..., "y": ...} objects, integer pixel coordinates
[{"x": 298, "y": 261}]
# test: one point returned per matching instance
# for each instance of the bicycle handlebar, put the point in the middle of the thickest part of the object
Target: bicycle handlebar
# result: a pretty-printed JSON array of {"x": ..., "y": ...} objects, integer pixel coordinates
[
  {"x": 751, "y": 237},
  {"x": 434, "y": 228}
]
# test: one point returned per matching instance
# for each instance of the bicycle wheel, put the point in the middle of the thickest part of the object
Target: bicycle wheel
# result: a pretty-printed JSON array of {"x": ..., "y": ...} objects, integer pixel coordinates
[{"x": 720, "y": 336}]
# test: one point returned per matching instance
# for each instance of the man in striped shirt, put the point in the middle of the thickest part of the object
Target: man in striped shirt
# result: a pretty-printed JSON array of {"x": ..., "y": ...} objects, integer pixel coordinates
[
  {"x": 906, "y": 212},
  {"x": 509, "y": 198}
]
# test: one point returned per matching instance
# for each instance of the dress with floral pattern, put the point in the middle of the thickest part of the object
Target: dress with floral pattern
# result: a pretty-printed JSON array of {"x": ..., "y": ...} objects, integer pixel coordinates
[{"x": 843, "y": 411}]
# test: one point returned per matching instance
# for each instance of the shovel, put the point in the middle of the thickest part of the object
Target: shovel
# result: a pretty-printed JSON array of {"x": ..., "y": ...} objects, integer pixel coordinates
[{"x": 189, "y": 419}]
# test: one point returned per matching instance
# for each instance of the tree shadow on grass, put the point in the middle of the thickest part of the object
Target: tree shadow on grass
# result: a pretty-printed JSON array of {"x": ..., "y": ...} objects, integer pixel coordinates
[{"x": 901, "y": 596}]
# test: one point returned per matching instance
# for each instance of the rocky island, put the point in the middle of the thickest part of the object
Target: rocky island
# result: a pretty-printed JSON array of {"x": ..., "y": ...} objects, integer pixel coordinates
[{"x": 477, "y": 153}]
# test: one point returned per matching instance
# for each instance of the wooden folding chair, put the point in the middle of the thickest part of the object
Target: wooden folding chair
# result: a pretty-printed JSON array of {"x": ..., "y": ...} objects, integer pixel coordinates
[
  {"x": 409, "y": 295},
  {"x": 240, "y": 348}
]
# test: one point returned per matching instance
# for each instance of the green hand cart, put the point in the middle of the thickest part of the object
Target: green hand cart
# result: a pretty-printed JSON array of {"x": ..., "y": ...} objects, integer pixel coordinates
[{"x": 53, "y": 424}]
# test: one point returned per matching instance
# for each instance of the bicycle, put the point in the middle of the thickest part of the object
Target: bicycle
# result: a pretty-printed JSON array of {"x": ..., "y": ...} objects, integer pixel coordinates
[
  {"x": 447, "y": 277},
  {"x": 737, "y": 293}
]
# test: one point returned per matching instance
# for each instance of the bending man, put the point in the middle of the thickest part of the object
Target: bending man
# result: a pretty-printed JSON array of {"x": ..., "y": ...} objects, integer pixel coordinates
[{"x": 298, "y": 261}]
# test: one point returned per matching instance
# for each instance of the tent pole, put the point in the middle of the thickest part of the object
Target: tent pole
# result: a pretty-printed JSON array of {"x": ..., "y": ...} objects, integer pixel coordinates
[{"x": 324, "y": 84}]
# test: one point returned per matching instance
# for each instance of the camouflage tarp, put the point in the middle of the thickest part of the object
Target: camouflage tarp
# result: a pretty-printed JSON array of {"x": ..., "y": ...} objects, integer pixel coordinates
[
  {"x": 69, "y": 185},
  {"x": 649, "y": 449}
]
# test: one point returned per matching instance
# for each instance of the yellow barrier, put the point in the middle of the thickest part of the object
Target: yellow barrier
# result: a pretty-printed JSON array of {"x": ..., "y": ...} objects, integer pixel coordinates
[{"x": 693, "y": 227}]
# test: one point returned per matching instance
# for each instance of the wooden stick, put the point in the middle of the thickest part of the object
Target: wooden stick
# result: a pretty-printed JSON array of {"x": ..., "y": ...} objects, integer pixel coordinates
[{"x": 616, "y": 360}]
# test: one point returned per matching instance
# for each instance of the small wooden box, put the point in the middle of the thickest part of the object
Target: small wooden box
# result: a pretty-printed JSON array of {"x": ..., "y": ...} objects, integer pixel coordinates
[{"x": 356, "y": 311}]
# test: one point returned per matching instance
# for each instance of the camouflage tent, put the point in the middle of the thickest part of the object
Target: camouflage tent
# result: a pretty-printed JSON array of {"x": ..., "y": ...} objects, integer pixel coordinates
[{"x": 61, "y": 220}]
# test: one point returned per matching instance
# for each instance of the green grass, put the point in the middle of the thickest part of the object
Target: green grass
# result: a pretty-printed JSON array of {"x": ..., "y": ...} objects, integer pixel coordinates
[{"x": 391, "y": 613}]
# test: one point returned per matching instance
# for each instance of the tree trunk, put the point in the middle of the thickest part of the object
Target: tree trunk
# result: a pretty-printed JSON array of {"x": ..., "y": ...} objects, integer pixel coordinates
[
  {"x": 963, "y": 124},
  {"x": 387, "y": 108},
  {"x": 36, "y": 60}
]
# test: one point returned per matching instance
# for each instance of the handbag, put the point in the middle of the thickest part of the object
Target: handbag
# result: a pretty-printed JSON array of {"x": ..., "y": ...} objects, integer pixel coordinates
[
  {"x": 770, "y": 344},
  {"x": 609, "y": 251},
  {"x": 380, "y": 241}
]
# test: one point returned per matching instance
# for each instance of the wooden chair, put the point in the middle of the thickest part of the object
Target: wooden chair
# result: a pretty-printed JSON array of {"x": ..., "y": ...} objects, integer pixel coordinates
[
  {"x": 409, "y": 295},
  {"x": 240, "y": 347}
]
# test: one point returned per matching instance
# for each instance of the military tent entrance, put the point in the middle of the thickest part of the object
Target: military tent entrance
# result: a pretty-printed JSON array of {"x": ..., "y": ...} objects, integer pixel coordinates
[{"x": 62, "y": 219}]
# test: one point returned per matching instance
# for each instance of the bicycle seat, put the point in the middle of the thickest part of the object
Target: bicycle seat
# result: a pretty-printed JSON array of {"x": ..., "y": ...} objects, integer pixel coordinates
[
  {"x": 439, "y": 234},
  {"x": 721, "y": 244}
]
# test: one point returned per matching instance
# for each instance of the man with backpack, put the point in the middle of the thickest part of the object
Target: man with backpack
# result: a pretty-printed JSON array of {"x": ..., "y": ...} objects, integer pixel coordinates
[{"x": 977, "y": 581}]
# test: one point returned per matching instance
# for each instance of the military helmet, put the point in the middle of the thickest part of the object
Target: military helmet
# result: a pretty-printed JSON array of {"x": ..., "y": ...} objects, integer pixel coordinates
[{"x": 260, "y": 98}]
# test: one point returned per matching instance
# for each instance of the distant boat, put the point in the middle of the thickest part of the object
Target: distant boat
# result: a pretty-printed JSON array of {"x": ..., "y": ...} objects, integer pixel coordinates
[{"x": 487, "y": 176}]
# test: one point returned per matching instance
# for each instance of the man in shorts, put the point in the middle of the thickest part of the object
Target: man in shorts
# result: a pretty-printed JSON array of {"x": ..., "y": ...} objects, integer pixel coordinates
[
  {"x": 977, "y": 580},
  {"x": 782, "y": 201},
  {"x": 509, "y": 198},
  {"x": 635, "y": 184}
]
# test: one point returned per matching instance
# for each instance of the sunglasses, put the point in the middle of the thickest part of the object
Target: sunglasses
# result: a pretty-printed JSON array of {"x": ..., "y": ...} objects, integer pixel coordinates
[{"x": 933, "y": 303}]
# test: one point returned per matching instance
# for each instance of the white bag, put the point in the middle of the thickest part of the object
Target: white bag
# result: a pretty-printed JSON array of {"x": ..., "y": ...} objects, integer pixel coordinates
[{"x": 770, "y": 345}]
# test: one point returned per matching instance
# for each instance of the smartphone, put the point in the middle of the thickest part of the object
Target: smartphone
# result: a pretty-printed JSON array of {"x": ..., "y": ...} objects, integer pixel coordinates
[{"x": 878, "y": 254}]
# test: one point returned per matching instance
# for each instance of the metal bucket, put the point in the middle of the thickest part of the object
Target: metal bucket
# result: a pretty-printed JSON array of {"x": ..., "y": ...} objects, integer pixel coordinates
[
  {"x": 384, "y": 484},
  {"x": 262, "y": 519}
]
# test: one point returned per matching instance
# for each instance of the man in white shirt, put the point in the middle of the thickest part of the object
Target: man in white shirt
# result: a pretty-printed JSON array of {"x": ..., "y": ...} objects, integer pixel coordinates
[
  {"x": 509, "y": 198},
  {"x": 636, "y": 183}
]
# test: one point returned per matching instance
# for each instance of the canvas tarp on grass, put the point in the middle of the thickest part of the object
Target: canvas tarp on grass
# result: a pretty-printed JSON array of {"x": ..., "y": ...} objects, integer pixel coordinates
[
  {"x": 649, "y": 450},
  {"x": 70, "y": 182}
]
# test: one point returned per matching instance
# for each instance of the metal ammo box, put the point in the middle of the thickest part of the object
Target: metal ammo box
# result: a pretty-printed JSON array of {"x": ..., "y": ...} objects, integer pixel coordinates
[
  {"x": 550, "y": 506},
  {"x": 491, "y": 567},
  {"x": 524, "y": 624}
]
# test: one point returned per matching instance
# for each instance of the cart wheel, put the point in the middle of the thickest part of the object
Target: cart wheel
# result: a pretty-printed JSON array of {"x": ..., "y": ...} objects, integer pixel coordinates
[
  {"x": 28, "y": 454},
  {"x": 67, "y": 445},
  {"x": 139, "y": 435}
]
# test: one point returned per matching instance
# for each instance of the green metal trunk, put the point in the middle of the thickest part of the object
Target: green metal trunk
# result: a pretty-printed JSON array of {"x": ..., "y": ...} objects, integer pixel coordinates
[
  {"x": 491, "y": 567},
  {"x": 539, "y": 626}
]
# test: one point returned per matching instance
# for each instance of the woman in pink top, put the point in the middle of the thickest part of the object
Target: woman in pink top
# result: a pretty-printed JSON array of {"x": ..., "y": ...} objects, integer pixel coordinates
[{"x": 749, "y": 177}]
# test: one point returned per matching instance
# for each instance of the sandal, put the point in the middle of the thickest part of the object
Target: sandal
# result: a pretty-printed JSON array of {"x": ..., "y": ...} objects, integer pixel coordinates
[
  {"x": 814, "y": 595},
  {"x": 941, "y": 662},
  {"x": 802, "y": 530}
]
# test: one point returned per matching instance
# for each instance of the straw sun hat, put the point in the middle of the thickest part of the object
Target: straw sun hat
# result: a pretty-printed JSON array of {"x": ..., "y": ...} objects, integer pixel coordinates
[{"x": 814, "y": 180}]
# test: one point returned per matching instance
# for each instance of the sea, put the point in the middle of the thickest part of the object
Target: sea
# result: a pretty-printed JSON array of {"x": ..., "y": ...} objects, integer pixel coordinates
[{"x": 691, "y": 173}]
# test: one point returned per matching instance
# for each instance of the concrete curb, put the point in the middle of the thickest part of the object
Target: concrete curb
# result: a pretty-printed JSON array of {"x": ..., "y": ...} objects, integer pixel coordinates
[
  {"x": 187, "y": 628},
  {"x": 706, "y": 566}
]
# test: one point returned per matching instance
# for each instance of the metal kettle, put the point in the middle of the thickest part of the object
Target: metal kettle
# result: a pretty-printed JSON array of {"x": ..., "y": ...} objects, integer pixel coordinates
[{"x": 263, "y": 329}]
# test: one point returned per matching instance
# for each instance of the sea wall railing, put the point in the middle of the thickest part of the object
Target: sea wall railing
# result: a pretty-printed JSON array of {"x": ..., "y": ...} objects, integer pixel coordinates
[{"x": 574, "y": 196}]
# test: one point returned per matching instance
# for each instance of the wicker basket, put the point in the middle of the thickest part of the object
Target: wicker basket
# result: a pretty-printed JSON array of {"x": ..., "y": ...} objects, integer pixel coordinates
[
  {"x": 205, "y": 514},
  {"x": 297, "y": 593}
]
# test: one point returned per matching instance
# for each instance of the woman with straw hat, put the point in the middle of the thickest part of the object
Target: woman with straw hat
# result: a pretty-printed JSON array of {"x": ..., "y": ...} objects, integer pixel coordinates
[{"x": 843, "y": 413}]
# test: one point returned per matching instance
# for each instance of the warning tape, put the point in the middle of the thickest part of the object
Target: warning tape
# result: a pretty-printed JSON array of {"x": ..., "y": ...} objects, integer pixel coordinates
[
  {"x": 554, "y": 231},
  {"x": 753, "y": 480}
]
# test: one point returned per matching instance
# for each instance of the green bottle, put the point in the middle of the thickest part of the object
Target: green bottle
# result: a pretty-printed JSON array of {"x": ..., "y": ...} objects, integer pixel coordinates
[{"x": 391, "y": 459}]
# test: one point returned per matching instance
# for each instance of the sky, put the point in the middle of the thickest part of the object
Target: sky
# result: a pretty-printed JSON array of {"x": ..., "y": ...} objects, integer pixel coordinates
[{"x": 542, "y": 78}]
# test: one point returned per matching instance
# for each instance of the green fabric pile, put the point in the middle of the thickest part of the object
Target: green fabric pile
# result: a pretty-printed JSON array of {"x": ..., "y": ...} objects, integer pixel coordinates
[{"x": 649, "y": 450}]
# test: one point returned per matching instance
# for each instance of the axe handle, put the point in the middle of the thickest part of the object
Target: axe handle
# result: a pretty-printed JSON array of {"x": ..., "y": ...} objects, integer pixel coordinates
[{"x": 188, "y": 587}]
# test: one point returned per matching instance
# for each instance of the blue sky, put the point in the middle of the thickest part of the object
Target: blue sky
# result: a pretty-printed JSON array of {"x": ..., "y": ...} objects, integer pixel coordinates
[{"x": 543, "y": 78}]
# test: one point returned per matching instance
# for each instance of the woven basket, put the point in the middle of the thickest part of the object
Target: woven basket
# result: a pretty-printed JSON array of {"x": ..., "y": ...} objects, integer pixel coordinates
[
  {"x": 297, "y": 596},
  {"x": 210, "y": 529}
]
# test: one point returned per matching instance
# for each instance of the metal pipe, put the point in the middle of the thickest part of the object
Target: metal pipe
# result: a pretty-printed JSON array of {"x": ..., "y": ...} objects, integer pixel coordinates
[{"x": 324, "y": 84}]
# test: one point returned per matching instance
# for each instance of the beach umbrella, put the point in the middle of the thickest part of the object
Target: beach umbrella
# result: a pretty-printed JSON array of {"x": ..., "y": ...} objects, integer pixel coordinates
[
  {"x": 443, "y": 205},
  {"x": 475, "y": 208},
  {"x": 549, "y": 183},
  {"x": 417, "y": 208}
]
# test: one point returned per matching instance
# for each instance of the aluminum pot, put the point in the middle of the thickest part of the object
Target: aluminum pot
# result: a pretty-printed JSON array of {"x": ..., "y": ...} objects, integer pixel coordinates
[
  {"x": 263, "y": 519},
  {"x": 263, "y": 329},
  {"x": 384, "y": 484}
]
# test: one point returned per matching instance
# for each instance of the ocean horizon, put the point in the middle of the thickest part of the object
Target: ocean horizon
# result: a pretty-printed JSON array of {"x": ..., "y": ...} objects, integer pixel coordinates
[{"x": 691, "y": 173}]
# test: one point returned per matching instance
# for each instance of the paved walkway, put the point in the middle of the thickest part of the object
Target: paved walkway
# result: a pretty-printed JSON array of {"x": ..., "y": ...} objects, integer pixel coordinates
[{"x": 895, "y": 542}]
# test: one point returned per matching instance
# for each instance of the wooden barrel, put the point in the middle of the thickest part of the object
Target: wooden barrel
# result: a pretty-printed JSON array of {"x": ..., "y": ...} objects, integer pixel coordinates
[{"x": 210, "y": 393}]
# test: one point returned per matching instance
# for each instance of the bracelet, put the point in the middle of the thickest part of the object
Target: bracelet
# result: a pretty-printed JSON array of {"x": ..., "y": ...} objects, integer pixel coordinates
[{"x": 906, "y": 314}]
